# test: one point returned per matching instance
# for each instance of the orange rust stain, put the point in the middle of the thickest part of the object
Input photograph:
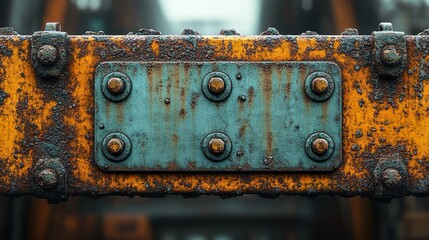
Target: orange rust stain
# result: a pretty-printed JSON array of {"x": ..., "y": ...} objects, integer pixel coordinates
[
  {"x": 307, "y": 48},
  {"x": 155, "y": 47},
  {"x": 82, "y": 79},
  {"x": 18, "y": 82},
  {"x": 245, "y": 49}
]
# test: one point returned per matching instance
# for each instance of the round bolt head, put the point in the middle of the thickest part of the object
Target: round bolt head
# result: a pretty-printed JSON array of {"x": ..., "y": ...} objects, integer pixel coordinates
[
  {"x": 216, "y": 85},
  {"x": 216, "y": 146},
  {"x": 390, "y": 55},
  {"x": 47, "y": 54},
  {"x": 116, "y": 85},
  {"x": 391, "y": 178},
  {"x": 320, "y": 146},
  {"x": 319, "y": 85},
  {"x": 47, "y": 178},
  {"x": 115, "y": 146}
]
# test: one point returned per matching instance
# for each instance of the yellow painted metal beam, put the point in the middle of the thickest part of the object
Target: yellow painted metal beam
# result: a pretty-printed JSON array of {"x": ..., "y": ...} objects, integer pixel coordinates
[{"x": 53, "y": 118}]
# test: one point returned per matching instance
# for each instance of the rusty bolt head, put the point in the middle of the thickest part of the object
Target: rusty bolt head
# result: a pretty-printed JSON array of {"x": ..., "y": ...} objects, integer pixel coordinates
[
  {"x": 216, "y": 146},
  {"x": 320, "y": 146},
  {"x": 115, "y": 146},
  {"x": 47, "y": 54},
  {"x": 319, "y": 85},
  {"x": 47, "y": 178},
  {"x": 391, "y": 178},
  {"x": 216, "y": 85},
  {"x": 390, "y": 55},
  {"x": 116, "y": 85}
]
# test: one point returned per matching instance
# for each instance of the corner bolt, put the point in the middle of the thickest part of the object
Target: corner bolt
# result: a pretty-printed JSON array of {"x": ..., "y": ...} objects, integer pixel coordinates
[
  {"x": 115, "y": 146},
  {"x": 320, "y": 146},
  {"x": 319, "y": 85},
  {"x": 47, "y": 178},
  {"x": 47, "y": 54},
  {"x": 116, "y": 85},
  {"x": 390, "y": 55},
  {"x": 391, "y": 178}
]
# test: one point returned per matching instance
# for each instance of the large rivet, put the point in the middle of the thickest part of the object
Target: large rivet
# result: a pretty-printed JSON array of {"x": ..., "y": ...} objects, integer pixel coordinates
[
  {"x": 216, "y": 146},
  {"x": 47, "y": 178},
  {"x": 319, "y": 85},
  {"x": 390, "y": 55},
  {"x": 47, "y": 54},
  {"x": 115, "y": 85},
  {"x": 115, "y": 146},
  {"x": 216, "y": 85},
  {"x": 391, "y": 178},
  {"x": 320, "y": 146}
]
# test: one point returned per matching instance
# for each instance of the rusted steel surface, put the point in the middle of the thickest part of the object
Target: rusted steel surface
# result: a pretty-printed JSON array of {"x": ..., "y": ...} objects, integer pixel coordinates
[{"x": 383, "y": 119}]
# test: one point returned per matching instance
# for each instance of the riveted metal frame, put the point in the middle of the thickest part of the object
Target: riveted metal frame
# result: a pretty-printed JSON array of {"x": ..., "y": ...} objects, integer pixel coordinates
[{"x": 382, "y": 120}]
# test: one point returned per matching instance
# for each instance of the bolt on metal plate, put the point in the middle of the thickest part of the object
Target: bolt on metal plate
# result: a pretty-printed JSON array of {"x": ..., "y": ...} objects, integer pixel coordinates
[
  {"x": 319, "y": 146},
  {"x": 116, "y": 146},
  {"x": 116, "y": 86},
  {"x": 216, "y": 146},
  {"x": 216, "y": 86},
  {"x": 262, "y": 109},
  {"x": 319, "y": 86}
]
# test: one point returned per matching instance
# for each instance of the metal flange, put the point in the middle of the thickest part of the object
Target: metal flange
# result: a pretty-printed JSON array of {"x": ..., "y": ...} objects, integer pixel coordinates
[{"x": 49, "y": 51}]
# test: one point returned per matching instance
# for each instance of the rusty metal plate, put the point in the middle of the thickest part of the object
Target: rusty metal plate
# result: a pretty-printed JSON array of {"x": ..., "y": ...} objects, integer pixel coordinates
[{"x": 217, "y": 116}]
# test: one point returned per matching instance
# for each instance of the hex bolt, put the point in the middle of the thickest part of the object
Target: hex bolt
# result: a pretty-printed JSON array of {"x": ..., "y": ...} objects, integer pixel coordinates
[
  {"x": 320, "y": 146},
  {"x": 391, "y": 178},
  {"x": 390, "y": 55},
  {"x": 47, "y": 54},
  {"x": 116, "y": 85},
  {"x": 216, "y": 85},
  {"x": 115, "y": 146},
  {"x": 216, "y": 146},
  {"x": 319, "y": 85},
  {"x": 47, "y": 178}
]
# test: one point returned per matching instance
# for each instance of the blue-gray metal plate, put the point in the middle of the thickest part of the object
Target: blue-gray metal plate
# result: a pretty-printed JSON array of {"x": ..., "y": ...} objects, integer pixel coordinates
[{"x": 267, "y": 116}]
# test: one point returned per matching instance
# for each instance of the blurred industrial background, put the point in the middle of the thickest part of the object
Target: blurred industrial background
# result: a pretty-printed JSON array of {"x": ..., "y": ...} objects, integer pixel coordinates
[{"x": 210, "y": 217}]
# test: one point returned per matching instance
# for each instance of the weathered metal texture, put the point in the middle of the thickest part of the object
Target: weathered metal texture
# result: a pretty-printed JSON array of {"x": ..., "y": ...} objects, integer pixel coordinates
[
  {"x": 274, "y": 121},
  {"x": 390, "y": 53},
  {"x": 382, "y": 119},
  {"x": 49, "y": 51}
]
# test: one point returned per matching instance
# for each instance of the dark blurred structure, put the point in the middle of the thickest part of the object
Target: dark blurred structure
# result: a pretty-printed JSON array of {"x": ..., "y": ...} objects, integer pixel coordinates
[
  {"x": 246, "y": 16},
  {"x": 209, "y": 217}
]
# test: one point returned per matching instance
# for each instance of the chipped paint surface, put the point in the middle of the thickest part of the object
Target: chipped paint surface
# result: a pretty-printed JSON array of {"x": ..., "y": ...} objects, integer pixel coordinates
[{"x": 382, "y": 119}]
